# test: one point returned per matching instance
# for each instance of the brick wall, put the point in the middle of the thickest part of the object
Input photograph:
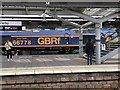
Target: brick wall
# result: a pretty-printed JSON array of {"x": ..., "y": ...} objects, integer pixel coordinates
[{"x": 65, "y": 81}]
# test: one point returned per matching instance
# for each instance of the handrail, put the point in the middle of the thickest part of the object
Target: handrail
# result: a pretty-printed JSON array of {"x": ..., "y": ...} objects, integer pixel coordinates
[{"x": 112, "y": 37}]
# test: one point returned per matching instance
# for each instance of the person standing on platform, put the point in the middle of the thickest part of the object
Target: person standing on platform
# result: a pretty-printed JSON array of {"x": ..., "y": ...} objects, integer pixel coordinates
[
  {"x": 89, "y": 51},
  {"x": 103, "y": 42},
  {"x": 8, "y": 46}
]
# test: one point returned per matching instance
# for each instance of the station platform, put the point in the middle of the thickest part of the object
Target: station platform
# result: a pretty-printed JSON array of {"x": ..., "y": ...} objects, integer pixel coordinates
[
  {"x": 51, "y": 64},
  {"x": 57, "y": 71}
]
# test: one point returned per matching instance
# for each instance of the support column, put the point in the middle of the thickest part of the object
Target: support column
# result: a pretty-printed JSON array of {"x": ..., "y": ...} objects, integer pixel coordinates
[
  {"x": 80, "y": 43},
  {"x": 1, "y": 41},
  {"x": 98, "y": 42}
]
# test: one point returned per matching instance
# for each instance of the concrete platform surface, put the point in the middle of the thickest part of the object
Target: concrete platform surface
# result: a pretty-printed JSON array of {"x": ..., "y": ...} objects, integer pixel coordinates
[
  {"x": 49, "y": 64},
  {"x": 59, "y": 69},
  {"x": 43, "y": 61}
]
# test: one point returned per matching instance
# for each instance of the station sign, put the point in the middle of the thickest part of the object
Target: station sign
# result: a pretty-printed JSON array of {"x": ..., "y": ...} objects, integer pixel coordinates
[
  {"x": 11, "y": 28},
  {"x": 10, "y": 23}
]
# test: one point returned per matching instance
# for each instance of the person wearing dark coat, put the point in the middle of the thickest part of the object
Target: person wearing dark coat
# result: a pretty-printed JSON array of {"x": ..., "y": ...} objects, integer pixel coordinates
[{"x": 89, "y": 51}]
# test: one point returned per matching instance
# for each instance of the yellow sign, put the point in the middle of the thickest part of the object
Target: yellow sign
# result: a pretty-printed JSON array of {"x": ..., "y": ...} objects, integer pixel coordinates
[{"x": 49, "y": 40}]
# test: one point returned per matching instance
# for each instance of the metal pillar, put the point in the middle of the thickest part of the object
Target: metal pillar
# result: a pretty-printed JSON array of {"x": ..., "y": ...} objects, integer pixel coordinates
[
  {"x": 98, "y": 42},
  {"x": 0, "y": 49},
  {"x": 80, "y": 43}
]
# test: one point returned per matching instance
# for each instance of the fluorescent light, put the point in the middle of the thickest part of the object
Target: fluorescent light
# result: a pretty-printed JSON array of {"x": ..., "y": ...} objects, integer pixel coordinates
[{"x": 64, "y": 16}]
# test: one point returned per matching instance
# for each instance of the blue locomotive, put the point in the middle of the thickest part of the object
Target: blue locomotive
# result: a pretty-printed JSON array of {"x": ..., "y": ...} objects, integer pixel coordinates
[
  {"x": 42, "y": 40},
  {"x": 52, "y": 40}
]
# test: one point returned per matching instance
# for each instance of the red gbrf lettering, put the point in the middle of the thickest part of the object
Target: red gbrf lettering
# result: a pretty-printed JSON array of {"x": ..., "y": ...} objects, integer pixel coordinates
[{"x": 22, "y": 42}]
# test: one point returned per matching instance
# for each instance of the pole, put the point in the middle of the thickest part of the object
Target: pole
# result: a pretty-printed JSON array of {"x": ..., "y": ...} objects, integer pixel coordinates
[
  {"x": 80, "y": 43},
  {"x": 98, "y": 42}
]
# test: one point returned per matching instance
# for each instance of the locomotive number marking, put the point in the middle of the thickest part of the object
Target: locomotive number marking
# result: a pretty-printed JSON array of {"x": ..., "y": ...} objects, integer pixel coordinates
[
  {"x": 22, "y": 42},
  {"x": 49, "y": 40}
]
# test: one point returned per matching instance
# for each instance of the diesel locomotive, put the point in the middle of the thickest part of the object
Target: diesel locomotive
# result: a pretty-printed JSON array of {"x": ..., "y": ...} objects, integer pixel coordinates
[
  {"x": 51, "y": 40},
  {"x": 43, "y": 40}
]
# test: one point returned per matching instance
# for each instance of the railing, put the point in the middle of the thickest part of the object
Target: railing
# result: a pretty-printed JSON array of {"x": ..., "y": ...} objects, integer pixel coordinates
[{"x": 110, "y": 44}]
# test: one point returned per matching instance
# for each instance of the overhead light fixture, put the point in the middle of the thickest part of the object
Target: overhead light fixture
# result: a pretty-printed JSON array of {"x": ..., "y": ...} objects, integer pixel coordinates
[{"x": 47, "y": 2}]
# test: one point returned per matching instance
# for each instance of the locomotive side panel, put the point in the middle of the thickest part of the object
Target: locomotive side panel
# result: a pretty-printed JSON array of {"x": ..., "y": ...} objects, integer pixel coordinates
[
  {"x": 38, "y": 43},
  {"x": 41, "y": 41}
]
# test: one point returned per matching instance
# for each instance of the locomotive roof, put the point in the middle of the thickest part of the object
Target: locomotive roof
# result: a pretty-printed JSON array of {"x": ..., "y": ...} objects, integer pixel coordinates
[
  {"x": 42, "y": 32},
  {"x": 50, "y": 32},
  {"x": 105, "y": 31}
]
